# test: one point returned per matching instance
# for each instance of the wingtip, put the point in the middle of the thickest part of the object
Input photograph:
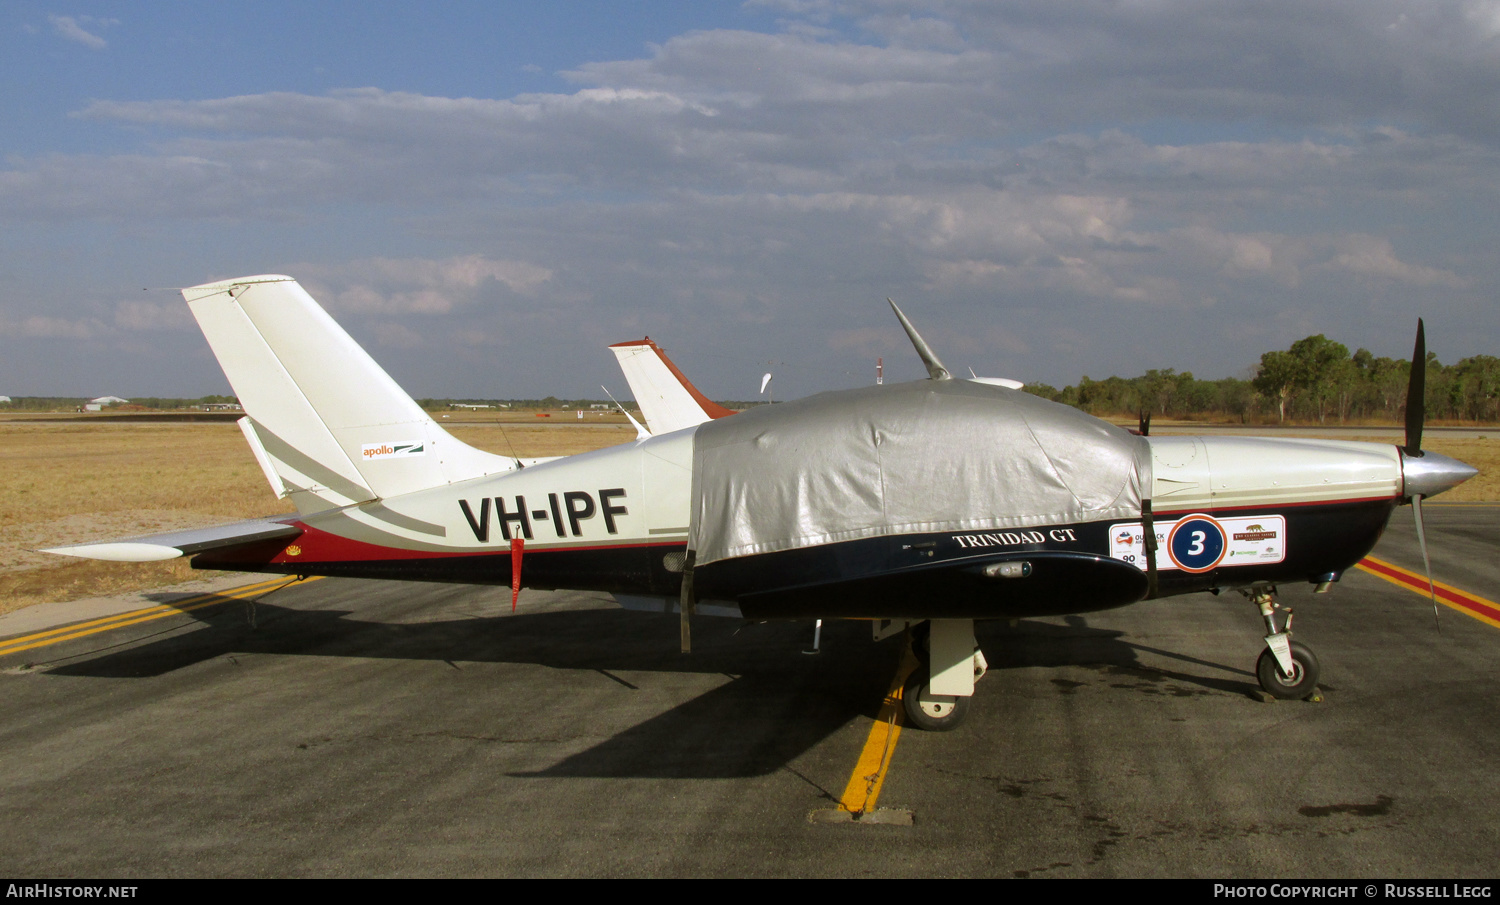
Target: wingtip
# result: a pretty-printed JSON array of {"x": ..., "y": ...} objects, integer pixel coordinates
[{"x": 117, "y": 552}]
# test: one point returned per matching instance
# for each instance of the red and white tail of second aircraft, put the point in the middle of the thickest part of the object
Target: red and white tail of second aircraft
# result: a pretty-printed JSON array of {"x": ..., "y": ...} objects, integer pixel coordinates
[{"x": 668, "y": 400}]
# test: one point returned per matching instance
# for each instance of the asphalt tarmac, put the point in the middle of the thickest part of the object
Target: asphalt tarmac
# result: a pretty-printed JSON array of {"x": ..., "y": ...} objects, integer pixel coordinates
[{"x": 346, "y": 728}]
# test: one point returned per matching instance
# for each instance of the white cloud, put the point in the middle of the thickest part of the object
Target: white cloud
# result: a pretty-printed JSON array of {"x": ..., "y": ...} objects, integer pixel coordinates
[
  {"x": 398, "y": 336},
  {"x": 404, "y": 286},
  {"x": 1374, "y": 257},
  {"x": 69, "y": 27},
  {"x": 140, "y": 316},
  {"x": 1155, "y": 168},
  {"x": 40, "y": 326},
  {"x": 1485, "y": 14}
]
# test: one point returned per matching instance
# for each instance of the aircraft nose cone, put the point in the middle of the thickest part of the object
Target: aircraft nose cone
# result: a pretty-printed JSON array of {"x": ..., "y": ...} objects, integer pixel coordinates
[{"x": 1430, "y": 474}]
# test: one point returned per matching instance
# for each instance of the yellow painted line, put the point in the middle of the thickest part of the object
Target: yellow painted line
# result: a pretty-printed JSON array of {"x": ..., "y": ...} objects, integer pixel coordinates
[
  {"x": 165, "y": 607},
  {"x": 135, "y": 617},
  {"x": 1486, "y": 611},
  {"x": 864, "y": 785}
]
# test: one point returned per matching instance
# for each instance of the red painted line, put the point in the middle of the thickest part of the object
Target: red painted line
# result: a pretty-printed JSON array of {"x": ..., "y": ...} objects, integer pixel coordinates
[{"x": 1463, "y": 601}]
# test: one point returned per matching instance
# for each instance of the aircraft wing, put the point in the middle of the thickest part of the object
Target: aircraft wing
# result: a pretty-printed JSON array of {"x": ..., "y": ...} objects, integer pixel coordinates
[{"x": 154, "y": 547}]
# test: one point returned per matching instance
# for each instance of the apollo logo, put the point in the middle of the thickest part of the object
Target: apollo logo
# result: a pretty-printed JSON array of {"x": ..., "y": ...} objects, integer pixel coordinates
[{"x": 393, "y": 450}]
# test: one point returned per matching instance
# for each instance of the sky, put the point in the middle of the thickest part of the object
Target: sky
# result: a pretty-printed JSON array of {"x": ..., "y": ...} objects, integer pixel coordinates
[{"x": 486, "y": 195}]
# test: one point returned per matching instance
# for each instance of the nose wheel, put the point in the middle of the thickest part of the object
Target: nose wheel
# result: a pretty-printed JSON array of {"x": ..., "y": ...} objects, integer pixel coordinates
[
  {"x": 1300, "y": 683},
  {"x": 1287, "y": 670}
]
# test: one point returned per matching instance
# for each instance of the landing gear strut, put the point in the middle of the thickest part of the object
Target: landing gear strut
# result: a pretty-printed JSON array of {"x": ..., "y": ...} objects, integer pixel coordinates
[
  {"x": 1286, "y": 669},
  {"x": 936, "y": 695}
]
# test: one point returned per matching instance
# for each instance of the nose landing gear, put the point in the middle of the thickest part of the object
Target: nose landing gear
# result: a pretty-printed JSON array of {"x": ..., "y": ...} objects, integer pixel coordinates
[{"x": 1286, "y": 669}]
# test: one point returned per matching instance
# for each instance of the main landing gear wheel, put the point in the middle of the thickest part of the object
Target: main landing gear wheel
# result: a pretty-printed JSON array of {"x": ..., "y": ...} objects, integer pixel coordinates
[
  {"x": 932, "y": 712},
  {"x": 1301, "y": 683}
]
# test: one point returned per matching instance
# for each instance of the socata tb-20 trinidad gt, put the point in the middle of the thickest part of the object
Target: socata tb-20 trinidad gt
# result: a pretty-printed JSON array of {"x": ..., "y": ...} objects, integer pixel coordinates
[{"x": 927, "y": 504}]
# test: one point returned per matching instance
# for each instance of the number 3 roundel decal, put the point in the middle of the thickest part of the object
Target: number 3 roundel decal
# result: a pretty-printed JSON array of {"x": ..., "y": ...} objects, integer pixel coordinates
[{"x": 1196, "y": 543}]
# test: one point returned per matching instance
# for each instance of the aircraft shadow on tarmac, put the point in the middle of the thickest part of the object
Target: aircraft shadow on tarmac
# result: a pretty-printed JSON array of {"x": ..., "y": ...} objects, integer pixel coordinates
[
  {"x": 687, "y": 741},
  {"x": 1033, "y": 643},
  {"x": 776, "y": 704}
]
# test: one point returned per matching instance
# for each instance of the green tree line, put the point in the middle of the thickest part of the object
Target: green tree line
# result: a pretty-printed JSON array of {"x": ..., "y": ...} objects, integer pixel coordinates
[{"x": 1314, "y": 380}]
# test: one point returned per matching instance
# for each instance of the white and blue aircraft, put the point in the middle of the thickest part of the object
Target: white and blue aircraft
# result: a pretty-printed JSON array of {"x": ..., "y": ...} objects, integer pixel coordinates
[{"x": 925, "y": 505}]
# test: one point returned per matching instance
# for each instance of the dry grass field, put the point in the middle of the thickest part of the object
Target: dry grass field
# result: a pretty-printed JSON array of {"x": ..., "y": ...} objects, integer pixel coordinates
[{"x": 73, "y": 481}]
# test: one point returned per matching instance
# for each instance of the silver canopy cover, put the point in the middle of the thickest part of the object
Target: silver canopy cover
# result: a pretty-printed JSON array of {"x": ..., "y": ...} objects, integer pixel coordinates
[{"x": 926, "y": 456}]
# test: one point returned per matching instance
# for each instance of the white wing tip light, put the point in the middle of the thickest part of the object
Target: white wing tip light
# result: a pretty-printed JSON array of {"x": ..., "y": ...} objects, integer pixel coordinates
[
  {"x": 158, "y": 547},
  {"x": 118, "y": 551}
]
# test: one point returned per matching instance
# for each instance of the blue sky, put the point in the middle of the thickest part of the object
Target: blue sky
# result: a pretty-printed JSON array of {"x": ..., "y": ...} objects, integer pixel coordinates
[{"x": 486, "y": 195}]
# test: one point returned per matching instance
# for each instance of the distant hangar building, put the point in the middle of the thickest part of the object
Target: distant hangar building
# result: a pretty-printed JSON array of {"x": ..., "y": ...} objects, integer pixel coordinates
[{"x": 97, "y": 405}]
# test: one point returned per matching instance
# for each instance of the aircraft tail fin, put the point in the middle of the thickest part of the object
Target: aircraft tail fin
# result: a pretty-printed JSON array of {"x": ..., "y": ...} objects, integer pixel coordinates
[
  {"x": 327, "y": 424},
  {"x": 668, "y": 400}
]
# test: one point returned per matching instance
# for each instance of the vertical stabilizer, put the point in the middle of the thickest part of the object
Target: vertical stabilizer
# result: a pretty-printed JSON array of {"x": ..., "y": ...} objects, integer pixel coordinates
[
  {"x": 331, "y": 424},
  {"x": 668, "y": 400}
]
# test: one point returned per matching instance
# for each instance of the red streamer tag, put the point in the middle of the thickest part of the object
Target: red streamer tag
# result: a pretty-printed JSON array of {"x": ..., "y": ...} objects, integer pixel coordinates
[{"x": 516, "y": 546}]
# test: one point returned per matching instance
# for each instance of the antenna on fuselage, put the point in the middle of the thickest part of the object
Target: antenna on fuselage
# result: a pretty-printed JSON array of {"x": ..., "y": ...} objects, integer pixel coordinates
[
  {"x": 935, "y": 368},
  {"x": 640, "y": 432}
]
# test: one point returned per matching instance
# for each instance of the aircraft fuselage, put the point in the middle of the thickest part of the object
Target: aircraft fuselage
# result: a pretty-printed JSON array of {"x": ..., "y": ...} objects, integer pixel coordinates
[{"x": 1228, "y": 512}]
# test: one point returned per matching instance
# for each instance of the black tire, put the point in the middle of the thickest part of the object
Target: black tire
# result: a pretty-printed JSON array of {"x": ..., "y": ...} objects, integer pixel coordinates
[
  {"x": 1304, "y": 679},
  {"x": 934, "y": 713},
  {"x": 921, "y": 640}
]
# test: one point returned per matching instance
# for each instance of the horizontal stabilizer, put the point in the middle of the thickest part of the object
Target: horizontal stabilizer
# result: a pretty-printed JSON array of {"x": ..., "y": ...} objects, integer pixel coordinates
[{"x": 154, "y": 547}]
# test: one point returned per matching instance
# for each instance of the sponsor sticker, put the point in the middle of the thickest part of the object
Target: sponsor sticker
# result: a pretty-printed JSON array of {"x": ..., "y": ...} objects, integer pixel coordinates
[
  {"x": 392, "y": 450},
  {"x": 1196, "y": 543},
  {"x": 1201, "y": 542}
]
